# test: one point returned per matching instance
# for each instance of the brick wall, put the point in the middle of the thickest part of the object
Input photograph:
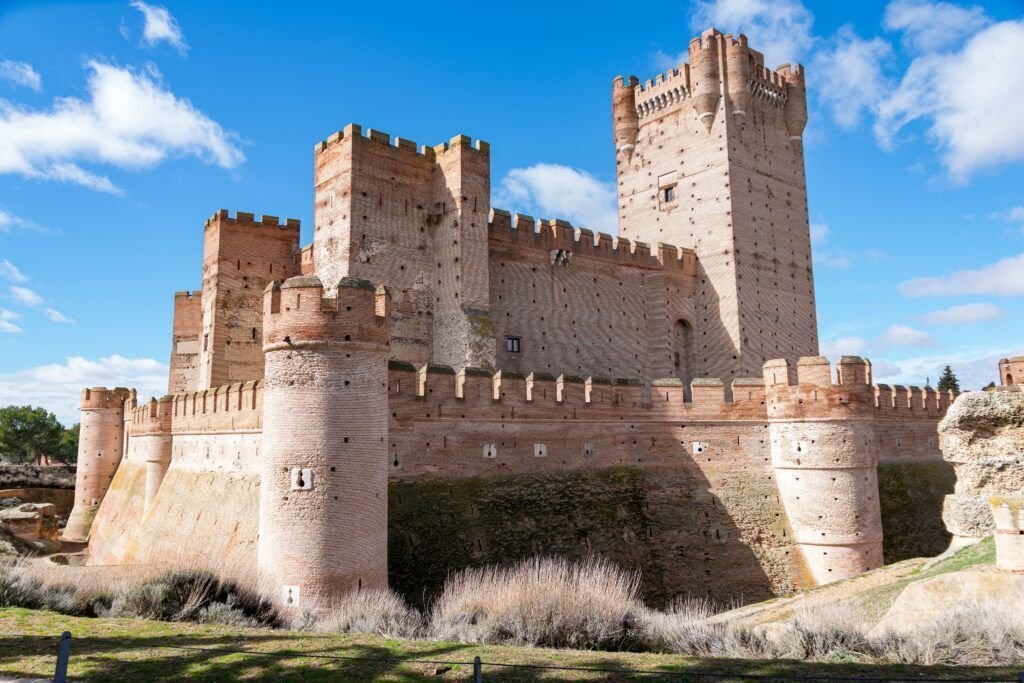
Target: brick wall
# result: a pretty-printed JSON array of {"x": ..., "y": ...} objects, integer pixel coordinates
[{"x": 185, "y": 342}]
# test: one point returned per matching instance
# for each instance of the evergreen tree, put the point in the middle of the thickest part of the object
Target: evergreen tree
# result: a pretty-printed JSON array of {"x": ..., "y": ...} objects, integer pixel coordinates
[
  {"x": 28, "y": 434},
  {"x": 948, "y": 380}
]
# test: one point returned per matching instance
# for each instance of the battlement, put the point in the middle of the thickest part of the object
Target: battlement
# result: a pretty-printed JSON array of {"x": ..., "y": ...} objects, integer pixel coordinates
[
  {"x": 298, "y": 313},
  {"x": 565, "y": 241},
  {"x": 188, "y": 294},
  {"x": 355, "y": 131},
  {"x": 152, "y": 417},
  {"x": 815, "y": 392},
  {"x": 101, "y": 398},
  {"x": 224, "y": 217}
]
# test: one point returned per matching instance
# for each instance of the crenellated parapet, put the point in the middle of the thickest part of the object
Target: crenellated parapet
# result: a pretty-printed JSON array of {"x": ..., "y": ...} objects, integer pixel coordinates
[
  {"x": 354, "y": 133},
  {"x": 565, "y": 242},
  {"x": 223, "y": 217},
  {"x": 100, "y": 449}
]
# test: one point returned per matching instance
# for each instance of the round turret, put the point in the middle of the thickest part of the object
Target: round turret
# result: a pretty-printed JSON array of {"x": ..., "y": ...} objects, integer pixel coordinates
[
  {"x": 737, "y": 59},
  {"x": 796, "y": 101},
  {"x": 151, "y": 435},
  {"x": 323, "y": 470},
  {"x": 100, "y": 447},
  {"x": 626, "y": 120},
  {"x": 825, "y": 456},
  {"x": 705, "y": 84}
]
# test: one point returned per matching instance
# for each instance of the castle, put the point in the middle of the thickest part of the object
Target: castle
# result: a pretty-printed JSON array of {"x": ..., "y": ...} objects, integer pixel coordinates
[{"x": 433, "y": 382}]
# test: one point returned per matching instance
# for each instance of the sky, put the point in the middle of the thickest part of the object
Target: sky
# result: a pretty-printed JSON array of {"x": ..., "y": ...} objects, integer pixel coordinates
[{"x": 123, "y": 125}]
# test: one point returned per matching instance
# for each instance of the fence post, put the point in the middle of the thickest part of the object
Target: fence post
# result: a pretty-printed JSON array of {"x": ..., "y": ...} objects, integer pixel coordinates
[
  {"x": 478, "y": 670},
  {"x": 1020, "y": 677},
  {"x": 60, "y": 674}
]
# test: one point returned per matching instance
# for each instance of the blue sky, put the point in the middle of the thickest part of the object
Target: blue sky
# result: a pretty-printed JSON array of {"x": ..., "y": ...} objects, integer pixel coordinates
[{"x": 123, "y": 125}]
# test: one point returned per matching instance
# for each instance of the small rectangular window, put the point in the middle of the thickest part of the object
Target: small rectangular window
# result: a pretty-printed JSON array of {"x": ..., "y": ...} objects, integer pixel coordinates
[
  {"x": 512, "y": 344},
  {"x": 669, "y": 193}
]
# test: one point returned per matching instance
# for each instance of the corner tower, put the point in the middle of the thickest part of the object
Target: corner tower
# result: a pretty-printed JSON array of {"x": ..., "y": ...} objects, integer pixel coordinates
[{"x": 709, "y": 156}]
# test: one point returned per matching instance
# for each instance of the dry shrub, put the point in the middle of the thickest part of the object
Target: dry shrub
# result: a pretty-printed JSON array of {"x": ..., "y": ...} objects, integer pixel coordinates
[
  {"x": 379, "y": 612},
  {"x": 542, "y": 602}
]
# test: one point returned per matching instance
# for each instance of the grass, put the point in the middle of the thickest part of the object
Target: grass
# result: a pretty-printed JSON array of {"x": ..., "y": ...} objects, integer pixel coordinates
[{"x": 28, "y": 643}]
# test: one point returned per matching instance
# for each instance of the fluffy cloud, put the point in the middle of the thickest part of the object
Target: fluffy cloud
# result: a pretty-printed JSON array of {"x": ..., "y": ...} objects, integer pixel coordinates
[
  {"x": 26, "y": 296},
  {"x": 160, "y": 26},
  {"x": 844, "y": 346},
  {"x": 975, "y": 368},
  {"x": 129, "y": 121},
  {"x": 555, "y": 191},
  {"x": 964, "y": 315},
  {"x": 57, "y": 386},
  {"x": 7, "y": 319},
  {"x": 902, "y": 335},
  {"x": 932, "y": 26},
  {"x": 1002, "y": 278},
  {"x": 20, "y": 73},
  {"x": 972, "y": 101},
  {"x": 9, "y": 271},
  {"x": 857, "y": 64},
  {"x": 781, "y": 28}
]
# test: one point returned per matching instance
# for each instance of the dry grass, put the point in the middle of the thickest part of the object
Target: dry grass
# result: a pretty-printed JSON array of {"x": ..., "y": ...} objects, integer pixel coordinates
[
  {"x": 376, "y": 612},
  {"x": 542, "y": 602}
]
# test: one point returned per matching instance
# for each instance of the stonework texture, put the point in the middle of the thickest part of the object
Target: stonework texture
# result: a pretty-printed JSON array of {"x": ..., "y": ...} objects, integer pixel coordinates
[
  {"x": 434, "y": 382},
  {"x": 982, "y": 436}
]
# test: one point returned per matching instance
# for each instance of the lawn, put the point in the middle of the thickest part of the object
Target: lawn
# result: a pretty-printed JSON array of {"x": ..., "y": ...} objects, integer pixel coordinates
[{"x": 139, "y": 650}]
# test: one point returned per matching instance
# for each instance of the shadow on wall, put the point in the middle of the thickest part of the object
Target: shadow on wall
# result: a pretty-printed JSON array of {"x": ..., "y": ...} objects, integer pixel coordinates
[
  {"x": 663, "y": 522},
  {"x": 911, "y": 496}
]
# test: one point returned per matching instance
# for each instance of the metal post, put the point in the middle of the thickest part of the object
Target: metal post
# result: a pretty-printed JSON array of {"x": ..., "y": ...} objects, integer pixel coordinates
[
  {"x": 478, "y": 670},
  {"x": 1020, "y": 677},
  {"x": 60, "y": 675}
]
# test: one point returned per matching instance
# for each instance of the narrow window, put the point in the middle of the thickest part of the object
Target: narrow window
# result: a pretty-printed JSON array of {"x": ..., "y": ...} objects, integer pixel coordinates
[
  {"x": 206, "y": 342},
  {"x": 512, "y": 344},
  {"x": 669, "y": 194}
]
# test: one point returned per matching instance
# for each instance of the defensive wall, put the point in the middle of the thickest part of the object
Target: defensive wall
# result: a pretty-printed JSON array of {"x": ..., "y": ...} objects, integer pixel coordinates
[{"x": 695, "y": 490}]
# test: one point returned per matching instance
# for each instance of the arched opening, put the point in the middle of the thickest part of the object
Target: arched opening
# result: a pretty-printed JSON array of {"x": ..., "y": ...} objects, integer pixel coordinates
[
  {"x": 1009, "y": 379},
  {"x": 683, "y": 353}
]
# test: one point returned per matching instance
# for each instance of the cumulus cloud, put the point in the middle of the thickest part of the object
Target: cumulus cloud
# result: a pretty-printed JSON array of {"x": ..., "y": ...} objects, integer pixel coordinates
[
  {"x": 932, "y": 26},
  {"x": 965, "y": 314},
  {"x": 975, "y": 368},
  {"x": 556, "y": 191},
  {"x": 856, "y": 63},
  {"x": 160, "y": 26},
  {"x": 57, "y": 386},
  {"x": 129, "y": 121},
  {"x": 971, "y": 101},
  {"x": 1002, "y": 278},
  {"x": 781, "y": 29},
  {"x": 902, "y": 335},
  {"x": 7, "y": 319},
  {"x": 20, "y": 73},
  {"x": 9, "y": 271},
  {"x": 844, "y": 346}
]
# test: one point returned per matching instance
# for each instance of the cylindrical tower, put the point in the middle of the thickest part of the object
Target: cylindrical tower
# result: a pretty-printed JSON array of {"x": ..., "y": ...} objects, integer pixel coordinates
[
  {"x": 100, "y": 447},
  {"x": 796, "y": 100},
  {"x": 626, "y": 120},
  {"x": 705, "y": 86},
  {"x": 323, "y": 470},
  {"x": 825, "y": 456},
  {"x": 153, "y": 436},
  {"x": 737, "y": 60}
]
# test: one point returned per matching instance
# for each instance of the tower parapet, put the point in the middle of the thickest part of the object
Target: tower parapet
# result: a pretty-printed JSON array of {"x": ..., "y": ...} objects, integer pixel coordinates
[
  {"x": 150, "y": 428},
  {"x": 323, "y": 470},
  {"x": 825, "y": 455},
  {"x": 100, "y": 448}
]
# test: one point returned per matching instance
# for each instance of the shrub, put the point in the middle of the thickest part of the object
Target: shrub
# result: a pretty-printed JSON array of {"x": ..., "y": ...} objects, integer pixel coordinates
[
  {"x": 542, "y": 602},
  {"x": 380, "y": 612}
]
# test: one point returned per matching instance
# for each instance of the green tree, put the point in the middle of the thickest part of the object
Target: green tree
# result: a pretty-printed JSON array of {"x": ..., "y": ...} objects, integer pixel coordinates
[
  {"x": 28, "y": 434},
  {"x": 948, "y": 380},
  {"x": 67, "y": 452}
]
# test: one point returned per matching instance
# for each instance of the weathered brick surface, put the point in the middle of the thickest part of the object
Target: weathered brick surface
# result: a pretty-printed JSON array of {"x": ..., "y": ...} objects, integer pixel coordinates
[{"x": 187, "y": 331}]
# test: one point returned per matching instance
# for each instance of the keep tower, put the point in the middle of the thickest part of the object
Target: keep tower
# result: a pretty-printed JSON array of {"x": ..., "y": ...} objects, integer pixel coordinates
[{"x": 709, "y": 156}]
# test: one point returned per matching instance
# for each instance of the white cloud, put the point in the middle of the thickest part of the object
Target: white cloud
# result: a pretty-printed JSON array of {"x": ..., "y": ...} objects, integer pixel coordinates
[
  {"x": 160, "y": 26},
  {"x": 781, "y": 29},
  {"x": 971, "y": 101},
  {"x": 975, "y": 368},
  {"x": 932, "y": 26},
  {"x": 129, "y": 121},
  {"x": 9, "y": 221},
  {"x": 856, "y": 64},
  {"x": 965, "y": 314},
  {"x": 20, "y": 73},
  {"x": 7, "y": 319},
  {"x": 844, "y": 346},
  {"x": 555, "y": 191},
  {"x": 1002, "y": 278},
  {"x": 56, "y": 316},
  {"x": 827, "y": 257},
  {"x": 57, "y": 386},
  {"x": 902, "y": 335},
  {"x": 26, "y": 296},
  {"x": 11, "y": 272},
  {"x": 819, "y": 233}
]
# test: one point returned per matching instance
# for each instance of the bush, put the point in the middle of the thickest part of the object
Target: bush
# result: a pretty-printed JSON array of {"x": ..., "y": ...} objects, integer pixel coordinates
[
  {"x": 542, "y": 602},
  {"x": 18, "y": 588},
  {"x": 380, "y": 612}
]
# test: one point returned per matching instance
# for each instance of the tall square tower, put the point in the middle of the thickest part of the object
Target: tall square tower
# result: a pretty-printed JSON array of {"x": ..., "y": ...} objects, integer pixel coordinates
[{"x": 709, "y": 156}]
